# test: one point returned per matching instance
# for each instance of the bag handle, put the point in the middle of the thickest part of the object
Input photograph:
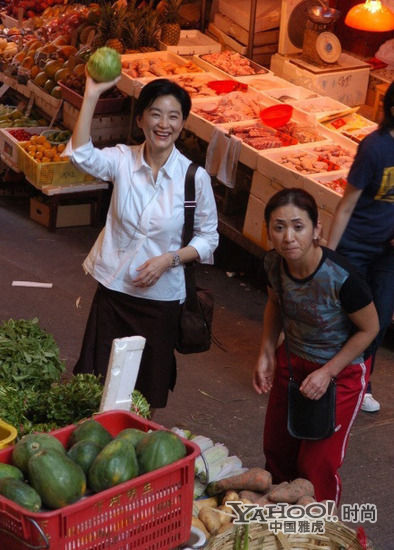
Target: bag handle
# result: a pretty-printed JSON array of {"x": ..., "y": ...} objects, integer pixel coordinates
[{"x": 187, "y": 234}]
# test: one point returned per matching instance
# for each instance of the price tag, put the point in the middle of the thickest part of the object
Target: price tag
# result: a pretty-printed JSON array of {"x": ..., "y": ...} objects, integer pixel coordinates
[{"x": 3, "y": 89}]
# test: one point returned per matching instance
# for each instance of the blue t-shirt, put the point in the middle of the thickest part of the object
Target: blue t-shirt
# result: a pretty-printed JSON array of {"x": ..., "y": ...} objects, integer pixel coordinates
[
  {"x": 316, "y": 308},
  {"x": 372, "y": 171}
]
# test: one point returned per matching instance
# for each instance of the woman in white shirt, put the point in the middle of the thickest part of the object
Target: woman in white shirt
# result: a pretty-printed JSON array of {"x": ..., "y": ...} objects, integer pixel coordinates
[{"x": 137, "y": 258}]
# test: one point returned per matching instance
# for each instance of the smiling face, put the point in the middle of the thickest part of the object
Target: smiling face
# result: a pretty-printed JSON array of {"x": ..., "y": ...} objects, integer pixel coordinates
[
  {"x": 161, "y": 122},
  {"x": 292, "y": 233}
]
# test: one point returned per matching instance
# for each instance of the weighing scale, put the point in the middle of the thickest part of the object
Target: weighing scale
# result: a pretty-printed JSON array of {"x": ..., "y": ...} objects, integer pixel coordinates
[{"x": 310, "y": 54}]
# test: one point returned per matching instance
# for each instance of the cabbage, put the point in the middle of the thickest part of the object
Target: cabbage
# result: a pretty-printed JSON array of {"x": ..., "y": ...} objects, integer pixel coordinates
[{"x": 104, "y": 65}]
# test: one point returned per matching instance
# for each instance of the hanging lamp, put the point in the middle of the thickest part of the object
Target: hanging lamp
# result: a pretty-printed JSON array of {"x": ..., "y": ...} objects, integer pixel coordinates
[{"x": 371, "y": 16}]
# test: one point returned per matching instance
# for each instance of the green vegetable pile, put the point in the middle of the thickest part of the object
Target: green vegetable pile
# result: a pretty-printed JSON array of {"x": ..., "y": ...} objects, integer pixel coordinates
[{"x": 32, "y": 395}]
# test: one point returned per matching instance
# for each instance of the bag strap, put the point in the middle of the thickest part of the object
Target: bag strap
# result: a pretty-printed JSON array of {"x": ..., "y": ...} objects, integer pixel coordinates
[
  {"x": 282, "y": 315},
  {"x": 187, "y": 234}
]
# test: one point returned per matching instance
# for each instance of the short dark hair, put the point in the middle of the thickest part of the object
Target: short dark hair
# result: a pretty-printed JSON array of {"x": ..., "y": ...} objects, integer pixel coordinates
[
  {"x": 159, "y": 87},
  {"x": 293, "y": 195},
  {"x": 387, "y": 123}
]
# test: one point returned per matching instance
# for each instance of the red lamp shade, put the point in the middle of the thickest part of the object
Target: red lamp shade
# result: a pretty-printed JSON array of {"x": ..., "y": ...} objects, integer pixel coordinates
[{"x": 371, "y": 16}]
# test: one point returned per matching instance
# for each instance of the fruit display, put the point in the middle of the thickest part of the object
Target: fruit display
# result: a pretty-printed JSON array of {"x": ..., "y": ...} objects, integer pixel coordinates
[
  {"x": 39, "y": 148},
  {"x": 31, "y": 8},
  {"x": 45, "y": 474},
  {"x": 11, "y": 116}
]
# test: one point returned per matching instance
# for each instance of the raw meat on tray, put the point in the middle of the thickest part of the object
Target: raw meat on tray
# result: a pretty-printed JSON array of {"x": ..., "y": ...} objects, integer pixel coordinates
[
  {"x": 232, "y": 107},
  {"x": 302, "y": 133},
  {"x": 233, "y": 63},
  {"x": 260, "y": 137}
]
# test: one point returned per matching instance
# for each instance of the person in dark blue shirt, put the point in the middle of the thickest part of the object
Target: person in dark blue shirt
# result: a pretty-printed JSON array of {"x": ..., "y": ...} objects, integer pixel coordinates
[{"x": 362, "y": 229}]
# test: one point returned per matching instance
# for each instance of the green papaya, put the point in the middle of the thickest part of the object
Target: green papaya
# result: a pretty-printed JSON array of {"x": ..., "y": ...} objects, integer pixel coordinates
[
  {"x": 159, "y": 448},
  {"x": 116, "y": 463},
  {"x": 91, "y": 430},
  {"x": 131, "y": 434},
  {"x": 8, "y": 470},
  {"x": 31, "y": 444},
  {"x": 20, "y": 492},
  {"x": 83, "y": 453},
  {"x": 57, "y": 479}
]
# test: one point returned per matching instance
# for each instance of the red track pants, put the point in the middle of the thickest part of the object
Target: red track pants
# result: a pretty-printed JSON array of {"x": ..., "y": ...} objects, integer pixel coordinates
[{"x": 318, "y": 461}]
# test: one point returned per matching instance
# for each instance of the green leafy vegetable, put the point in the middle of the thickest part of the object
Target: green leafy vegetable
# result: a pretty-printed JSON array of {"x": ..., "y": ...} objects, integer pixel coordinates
[{"x": 29, "y": 356}]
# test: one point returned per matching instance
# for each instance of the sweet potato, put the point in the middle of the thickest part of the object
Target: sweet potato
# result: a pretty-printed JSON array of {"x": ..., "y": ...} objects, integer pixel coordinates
[
  {"x": 225, "y": 514},
  {"x": 202, "y": 502},
  {"x": 255, "y": 479},
  {"x": 253, "y": 496},
  {"x": 210, "y": 519},
  {"x": 305, "y": 500},
  {"x": 291, "y": 492}
]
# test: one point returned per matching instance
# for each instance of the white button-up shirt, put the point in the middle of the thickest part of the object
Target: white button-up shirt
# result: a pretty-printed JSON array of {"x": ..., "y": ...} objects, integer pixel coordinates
[{"x": 145, "y": 218}]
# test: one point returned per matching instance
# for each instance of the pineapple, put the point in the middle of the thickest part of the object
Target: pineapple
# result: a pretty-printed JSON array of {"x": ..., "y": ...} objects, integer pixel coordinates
[
  {"x": 111, "y": 27},
  {"x": 143, "y": 27},
  {"x": 171, "y": 28}
]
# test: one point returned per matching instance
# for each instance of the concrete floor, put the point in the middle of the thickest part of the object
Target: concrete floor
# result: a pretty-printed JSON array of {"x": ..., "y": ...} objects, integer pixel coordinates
[{"x": 214, "y": 395}]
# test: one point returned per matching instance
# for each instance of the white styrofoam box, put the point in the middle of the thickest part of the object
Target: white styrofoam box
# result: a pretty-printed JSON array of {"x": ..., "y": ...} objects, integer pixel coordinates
[
  {"x": 294, "y": 93},
  {"x": 348, "y": 86},
  {"x": 192, "y": 42},
  {"x": 263, "y": 82},
  {"x": 269, "y": 163},
  {"x": 123, "y": 368},
  {"x": 320, "y": 107},
  {"x": 263, "y": 187},
  {"x": 254, "y": 227},
  {"x": 9, "y": 149},
  {"x": 267, "y": 13},
  {"x": 328, "y": 200},
  {"x": 248, "y": 154},
  {"x": 202, "y": 127},
  {"x": 127, "y": 83},
  {"x": 190, "y": 81},
  {"x": 209, "y": 67}
]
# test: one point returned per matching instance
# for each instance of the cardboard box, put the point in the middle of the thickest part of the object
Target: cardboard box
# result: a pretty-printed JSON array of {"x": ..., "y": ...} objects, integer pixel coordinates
[{"x": 68, "y": 215}]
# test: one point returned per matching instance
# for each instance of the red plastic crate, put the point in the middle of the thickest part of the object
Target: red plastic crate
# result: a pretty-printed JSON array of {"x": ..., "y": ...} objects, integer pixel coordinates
[
  {"x": 105, "y": 105},
  {"x": 150, "y": 512}
]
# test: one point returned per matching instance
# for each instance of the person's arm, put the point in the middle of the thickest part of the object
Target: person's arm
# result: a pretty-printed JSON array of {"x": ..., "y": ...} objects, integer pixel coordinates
[
  {"x": 82, "y": 128},
  {"x": 342, "y": 215},
  {"x": 367, "y": 324},
  {"x": 263, "y": 373}
]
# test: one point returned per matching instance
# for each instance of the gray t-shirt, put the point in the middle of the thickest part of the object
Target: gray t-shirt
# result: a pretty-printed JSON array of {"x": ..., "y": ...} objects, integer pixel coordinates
[{"x": 316, "y": 308}]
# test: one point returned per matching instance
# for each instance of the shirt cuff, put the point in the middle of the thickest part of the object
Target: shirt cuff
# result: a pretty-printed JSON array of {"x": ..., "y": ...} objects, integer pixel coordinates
[
  {"x": 81, "y": 153},
  {"x": 203, "y": 249}
]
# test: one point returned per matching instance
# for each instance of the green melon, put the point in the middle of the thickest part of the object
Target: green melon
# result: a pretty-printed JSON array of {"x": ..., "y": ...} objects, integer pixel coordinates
[
  {"x": 31, "y": 444},
  {"x": 90, "y": 430},
  {"x": 8, "y": 470},
  {"x": 57, "y": 479},
  {"x": 131, "y": 434},
  {"x": 158, "y": 449},
  {"x": 20, "y": 492},
  {"x": 83, "y": 453},
  {"x": 116, "y": 463}
]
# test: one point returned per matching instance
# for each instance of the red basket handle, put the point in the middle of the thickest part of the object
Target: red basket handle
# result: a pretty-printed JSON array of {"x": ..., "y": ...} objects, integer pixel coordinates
[{"x": 27, "y": 544}]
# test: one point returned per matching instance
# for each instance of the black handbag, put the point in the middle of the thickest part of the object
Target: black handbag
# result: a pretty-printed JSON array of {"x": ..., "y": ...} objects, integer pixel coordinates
[
  {"x": 195, "y": 319},
  {"x": 307, "y": 418}
]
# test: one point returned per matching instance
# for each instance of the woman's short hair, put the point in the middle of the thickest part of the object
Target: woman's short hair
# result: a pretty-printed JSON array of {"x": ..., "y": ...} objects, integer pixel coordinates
[
  {"x": 388, "y": 105},
  {"x": 296, "y": 196},
  {"x": 159, "y": 87}
]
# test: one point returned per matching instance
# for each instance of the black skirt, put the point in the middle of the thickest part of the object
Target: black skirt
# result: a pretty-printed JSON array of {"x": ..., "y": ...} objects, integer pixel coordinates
[{"x": 117, "y": 315}]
